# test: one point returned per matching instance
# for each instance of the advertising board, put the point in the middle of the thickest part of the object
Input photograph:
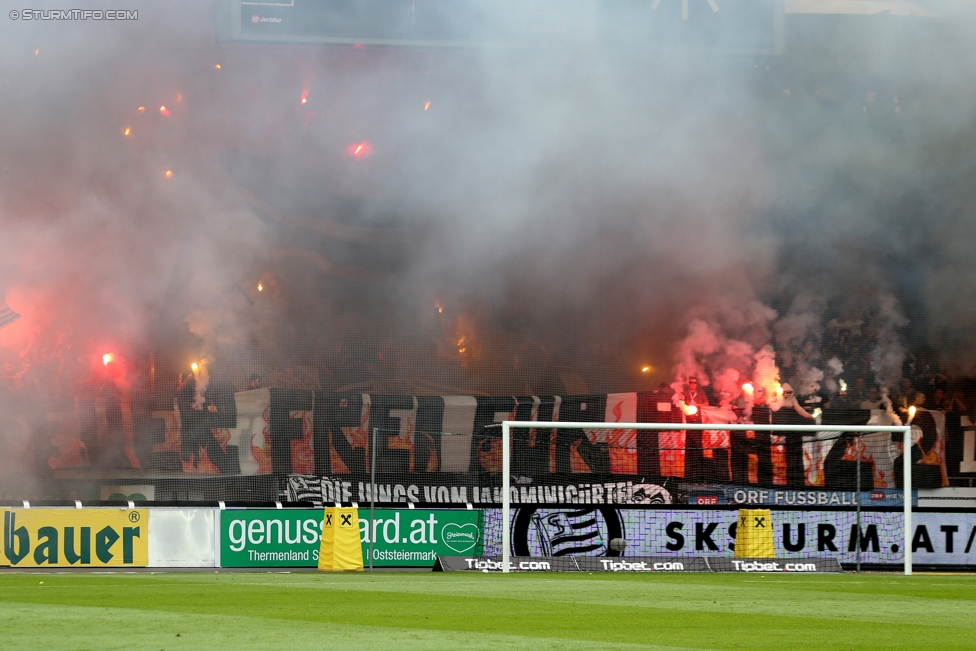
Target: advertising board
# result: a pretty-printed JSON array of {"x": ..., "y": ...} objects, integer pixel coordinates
[
  {"x": 640, "y": 564},
  {"x": 401, "y": 537},
  {"x": 938, "y": 538},
  {"x": 76, "y": 537}
]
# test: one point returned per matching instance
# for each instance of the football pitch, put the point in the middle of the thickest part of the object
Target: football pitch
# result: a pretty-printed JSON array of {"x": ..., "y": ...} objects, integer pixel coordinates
[{"x": 400, "y": 610}]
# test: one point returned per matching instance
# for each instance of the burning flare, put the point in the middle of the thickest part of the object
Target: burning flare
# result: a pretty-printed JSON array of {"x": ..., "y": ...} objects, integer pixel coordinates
[
  {"x": 748, "y": 388},
  {"x": 360, "y": 150},
  {"x": 691, "y": 410},
  {"x": 164, "y": 111},
  {"x": 106, "y": 358}
]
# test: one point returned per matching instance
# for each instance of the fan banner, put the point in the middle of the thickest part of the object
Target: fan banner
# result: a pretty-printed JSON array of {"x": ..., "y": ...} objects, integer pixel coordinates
[
  {"x": 292, "y": 431},
  {"x": 319, "y": 491}
]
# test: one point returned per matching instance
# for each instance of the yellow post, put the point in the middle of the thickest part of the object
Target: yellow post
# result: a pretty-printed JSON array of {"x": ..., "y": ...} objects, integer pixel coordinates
[
  {"x": 341, "y": 548},
  {"x": 327, "y": 548},
  {"x": 348, "y": 549},
  {"x": 754, "y": 534}
]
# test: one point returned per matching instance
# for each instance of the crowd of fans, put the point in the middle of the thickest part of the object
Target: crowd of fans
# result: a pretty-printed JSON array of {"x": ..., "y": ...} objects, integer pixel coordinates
[{"x": 923, "y": 382}]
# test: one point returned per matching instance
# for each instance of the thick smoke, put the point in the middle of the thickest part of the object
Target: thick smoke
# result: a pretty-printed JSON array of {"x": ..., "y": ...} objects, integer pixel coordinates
[{"x": 535, "y": 221}]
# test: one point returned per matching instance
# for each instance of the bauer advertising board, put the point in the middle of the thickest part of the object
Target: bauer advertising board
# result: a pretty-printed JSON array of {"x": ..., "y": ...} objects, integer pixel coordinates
[
  {"x": 76, "y": 537},
  {"x": 3, "y": 532},
  {"x": 291, "y": 537}
]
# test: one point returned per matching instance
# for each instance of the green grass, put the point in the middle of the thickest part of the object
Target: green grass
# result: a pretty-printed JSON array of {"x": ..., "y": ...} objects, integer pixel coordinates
[{"x": 479, "y": 611}]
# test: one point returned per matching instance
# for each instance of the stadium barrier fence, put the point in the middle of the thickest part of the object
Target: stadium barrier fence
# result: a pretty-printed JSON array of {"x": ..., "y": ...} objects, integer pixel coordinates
[{"x": 288, "y": 537}]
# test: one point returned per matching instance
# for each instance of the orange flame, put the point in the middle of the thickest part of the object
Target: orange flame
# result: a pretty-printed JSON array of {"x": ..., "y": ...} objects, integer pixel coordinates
[
  {"x": 426, "y": 106},
  {"x": 691, "y": 410},
  {"x": 106, "y": 358},
  {"x": 142, "y": 109},
  {"x": 127, "y": 131},
  {"x": 164, "y": 111},
  {"x": 748, "y": 388}
]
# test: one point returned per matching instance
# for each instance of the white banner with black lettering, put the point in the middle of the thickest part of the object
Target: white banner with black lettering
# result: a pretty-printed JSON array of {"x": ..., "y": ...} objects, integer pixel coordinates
[{"x": 938, "y": 538}]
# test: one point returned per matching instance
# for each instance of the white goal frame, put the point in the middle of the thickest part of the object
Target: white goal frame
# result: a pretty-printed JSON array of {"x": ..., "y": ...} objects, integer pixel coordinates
[{"x": 906, "y": 431}]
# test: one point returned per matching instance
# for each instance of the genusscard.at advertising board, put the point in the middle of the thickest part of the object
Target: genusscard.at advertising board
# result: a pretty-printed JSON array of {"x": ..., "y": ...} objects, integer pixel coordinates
[{"x": 291, "y": 537}]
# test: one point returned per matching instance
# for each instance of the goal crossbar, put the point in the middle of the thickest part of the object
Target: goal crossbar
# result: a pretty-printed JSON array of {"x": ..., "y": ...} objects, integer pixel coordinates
[{"x": 905, "y": 430}]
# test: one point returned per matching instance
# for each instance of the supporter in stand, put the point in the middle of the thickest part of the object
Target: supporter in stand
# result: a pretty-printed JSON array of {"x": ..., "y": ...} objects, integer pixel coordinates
[
  {"x": 790, "y": 400},
  {"x": 859, "y": 393},
  {"x": 841, "y": 346},
  {"x": 689, "y": 402},
  {"x": 957, "y": 402},
  {"x": 903, "y": 397},
  {"x": 873, "y": 399},
  {"x": 693, "y": 395},
  {"x": 200, "y": 450}
]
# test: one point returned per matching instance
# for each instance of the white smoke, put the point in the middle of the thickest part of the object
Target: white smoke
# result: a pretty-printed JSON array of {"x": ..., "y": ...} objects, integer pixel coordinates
[
  {"x": 835, "y": 368},
  {"x": 720, "y": 348},
  {"x": 888, "y": 355}
]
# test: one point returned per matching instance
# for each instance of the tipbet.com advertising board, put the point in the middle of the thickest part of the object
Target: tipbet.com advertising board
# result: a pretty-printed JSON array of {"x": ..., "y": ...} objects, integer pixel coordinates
[{"x": 292, "y": 537}]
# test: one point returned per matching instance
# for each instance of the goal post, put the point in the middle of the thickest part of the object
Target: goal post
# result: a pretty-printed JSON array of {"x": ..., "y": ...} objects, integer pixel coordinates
[{"x": 905, "y": 430}]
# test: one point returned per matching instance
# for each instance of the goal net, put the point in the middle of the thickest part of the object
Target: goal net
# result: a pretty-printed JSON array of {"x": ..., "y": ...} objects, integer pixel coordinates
[{"x": 780, "y": 467}]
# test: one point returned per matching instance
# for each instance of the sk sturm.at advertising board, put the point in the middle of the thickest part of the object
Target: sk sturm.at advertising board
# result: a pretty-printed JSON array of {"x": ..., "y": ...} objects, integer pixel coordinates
[
  {"x": 75, "y": 537},
  {"x": 291, "y": 537},
  {"x": 876, "y": 537}
]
